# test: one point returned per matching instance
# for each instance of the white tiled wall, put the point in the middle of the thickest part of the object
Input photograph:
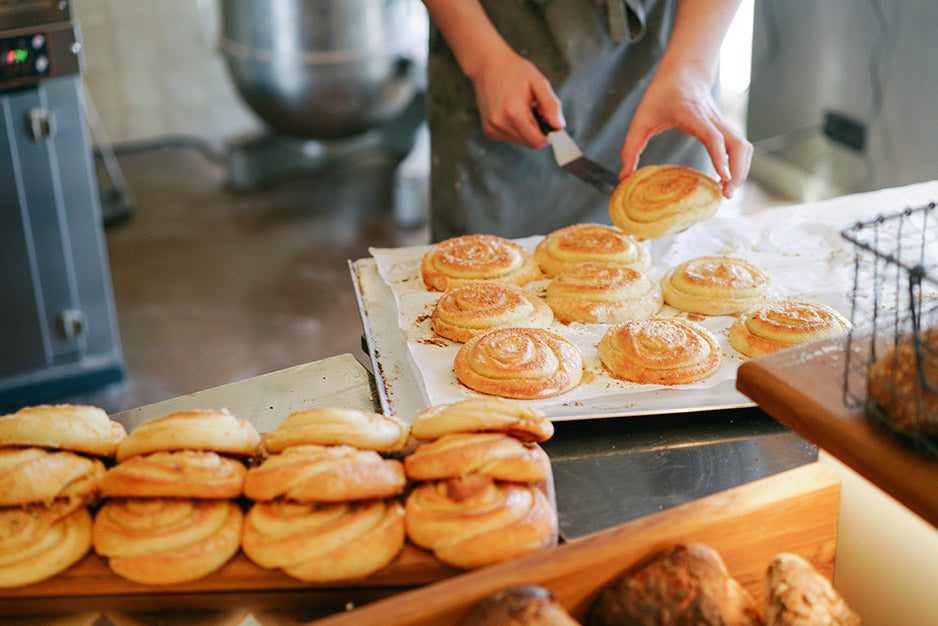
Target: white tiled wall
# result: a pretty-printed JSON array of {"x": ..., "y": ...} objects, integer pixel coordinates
[{"x": 152, "y": 69}]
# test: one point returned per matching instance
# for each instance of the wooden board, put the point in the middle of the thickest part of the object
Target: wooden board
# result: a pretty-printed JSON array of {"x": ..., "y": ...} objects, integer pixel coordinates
[
  {"x": 803, "y": 388},
  {"x": 793, "y": 511}
]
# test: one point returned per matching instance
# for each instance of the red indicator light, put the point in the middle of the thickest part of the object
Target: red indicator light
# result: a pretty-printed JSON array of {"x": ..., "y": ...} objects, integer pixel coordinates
[{"x": 10, "y": 57}]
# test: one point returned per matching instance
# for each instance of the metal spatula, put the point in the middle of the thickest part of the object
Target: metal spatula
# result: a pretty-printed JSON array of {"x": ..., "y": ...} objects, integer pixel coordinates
[{"x": 570, "y": 158}]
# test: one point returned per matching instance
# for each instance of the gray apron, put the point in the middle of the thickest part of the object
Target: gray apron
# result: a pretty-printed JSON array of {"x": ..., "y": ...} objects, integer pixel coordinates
[{"x": 599, "y": 56}]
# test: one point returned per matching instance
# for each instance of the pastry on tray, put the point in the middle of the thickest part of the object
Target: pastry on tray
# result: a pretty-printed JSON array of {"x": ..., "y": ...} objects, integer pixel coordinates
[
  {"x": 783, "y": 324},
  {"x": 458, "y": 260},
  {"x": 79, "y": 428},
  {"x": 589, "y": 242},
  {"x": 666, "y": 351},
  {"x": 478, "y": 307},
  {"x": 602, "y": 293},
  {"x": 657, "y": 200},
  {"x": 339, "y": 426},
  {"x": 716, "y": 285},
  {"x": 519, "y": 363},
  {"x": 493, "y": 415}
]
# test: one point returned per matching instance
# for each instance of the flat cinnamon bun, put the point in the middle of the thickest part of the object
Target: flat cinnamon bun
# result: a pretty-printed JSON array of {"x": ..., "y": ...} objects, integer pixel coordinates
[
  {"x": 494, "y": 415},
  {"x": 472, "y": 521},
  {"x": 38, "y": 475},
  {"x": 218, "y": 431},
  {"x": 476, "y": 308},
  {"x": 458, "y": 260},
  {"x": 39, "y": 541},
  {"x": 497, "y": 456},
  {"x": 175, "y": 474},
  {"x": 716, "y": 285},
  {"x": 339, "y": 426},
  {"x": 79, "y": 428},
  {"x": 324, "y": 542},
  {"x": 602, "y": 293},
  {"x": 666, "y": 351},
  {"x": 784, "y": 324},
  {"x": 519, "y": 363},
  {"x": 589, "y": 242},
  {"x": 162, "y": 541},
  {"x": 311, "y": 473},
  {"x": 658, "y": 200}
]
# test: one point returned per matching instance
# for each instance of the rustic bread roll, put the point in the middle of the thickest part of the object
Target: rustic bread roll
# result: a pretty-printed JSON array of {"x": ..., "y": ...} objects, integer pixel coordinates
[
  {"x": 163, "y": 541},
  {"x": 37, "y": 475},
  {"x": 800, "y": 596},
  {"x": 895, "y": 385},
  {"x": 666, "y": 351},
  {"x": 459, "y": 260},
  {"x": 476, "y": 308},
  {"x": 39, "y": 541},
  {"x": 175, "y": 474},
  {"x": 589, "y": 242},
  {"x": 602, "y": 293},
  {"x": 658, "y": 200},
  {"x": 783, "y": 324},
  {"x": 687, "y": 584},
  {"x": 472, "y": 521},
  {"x": 497, "y": 456},
  {"x": 716, "y": 285},
  {"x": 526, "y": 605},
  {"x": 519, "y": 363},
  {"x": 474, "y": 415},
  {"x": 218, "y": 431},
  {"x": 339, "y": 426},
  {"x": 79, "y": 428},
  {"x": 324, "y": 542},
  {"x": 312, "y": 473}
]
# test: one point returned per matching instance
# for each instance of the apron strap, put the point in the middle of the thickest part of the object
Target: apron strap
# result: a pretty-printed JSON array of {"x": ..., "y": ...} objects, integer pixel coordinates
[{"x": 626, "y": 20}]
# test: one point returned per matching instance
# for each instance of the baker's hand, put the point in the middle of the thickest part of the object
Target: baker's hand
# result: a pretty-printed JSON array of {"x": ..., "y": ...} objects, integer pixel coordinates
[
  {"x": 507, "y": 87},
  {"x": 683, "y": 100}
]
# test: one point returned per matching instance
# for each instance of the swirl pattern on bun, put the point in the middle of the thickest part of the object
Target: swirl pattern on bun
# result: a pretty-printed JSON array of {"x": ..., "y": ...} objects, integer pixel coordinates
[
  {"x": 589, "y": 242},
  {"x": 715, "y": 285},
  {"x": 476, "y": 308},
  {"x": 784, "y": 324},
  {"x": 458, "y": 260},
  {"x": 602, "y": 293}
]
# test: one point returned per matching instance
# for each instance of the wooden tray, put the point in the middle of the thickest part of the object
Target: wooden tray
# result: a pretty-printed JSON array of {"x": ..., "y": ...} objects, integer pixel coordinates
[
  {"x": 794, "y": 511},
  {"x": 803, "y": 388}
]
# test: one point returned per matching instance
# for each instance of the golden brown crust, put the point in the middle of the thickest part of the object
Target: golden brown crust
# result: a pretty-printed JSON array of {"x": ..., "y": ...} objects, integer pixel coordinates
[
  {"x": 658, "y": 200},
  {"x": 602, "y": 293},
  {"x": 589, "y": 242},
  {"x": 716, "y": 285},
  {"x": 175, "y": 474},
  {"x": 324, "y": 542},
  {"x": 311, "y": 473},
  {"x": 471, "y": 521},
  {"x": 785, "y": 323},
  {"x": 79, "y": 428},
  {"x": 339, "y": 426},
  {"x": 38, "y": 541},
  {"x": 895, "y": 385},
  {"x": 214, "y": 430},
  {"x": 497, "y": 456},
  {"x": 800, "y": 596},
  {"x": 519, "y": 363},
  {"x": 38, "y": 475},
  {"x": 526, "y": 605},
  {"x": 666, "y": 351},
  {"x": 494, "y": 415},
  {"x": 687, "y": 584},
  {"x": 459, "y": 260},
  {"x": 476, "y": 308},
  {"x": 163, "y": 541}
]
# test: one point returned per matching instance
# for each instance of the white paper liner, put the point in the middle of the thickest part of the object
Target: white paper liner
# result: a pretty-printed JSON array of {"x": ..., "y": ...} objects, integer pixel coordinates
[{"x": 800, "y": 248}]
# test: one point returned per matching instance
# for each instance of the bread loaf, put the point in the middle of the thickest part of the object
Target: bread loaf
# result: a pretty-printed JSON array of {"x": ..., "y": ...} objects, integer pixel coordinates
[
  {"x": 525, "y": 605},
  {"x": 800, "y": 596}
]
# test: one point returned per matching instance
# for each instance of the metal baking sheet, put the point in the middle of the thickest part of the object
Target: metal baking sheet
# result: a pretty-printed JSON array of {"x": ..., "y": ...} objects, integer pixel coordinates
[{"x": 401, "y": 392}]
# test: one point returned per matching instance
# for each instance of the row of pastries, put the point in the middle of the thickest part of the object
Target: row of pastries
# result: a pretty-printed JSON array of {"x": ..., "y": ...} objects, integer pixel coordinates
[{"x": 329, "y": 494}]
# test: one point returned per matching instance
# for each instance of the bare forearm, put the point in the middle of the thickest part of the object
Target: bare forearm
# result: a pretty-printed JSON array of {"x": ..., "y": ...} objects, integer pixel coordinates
[
  {"x": 699, "y": 29},
  {"x": 470, "y": 34}
]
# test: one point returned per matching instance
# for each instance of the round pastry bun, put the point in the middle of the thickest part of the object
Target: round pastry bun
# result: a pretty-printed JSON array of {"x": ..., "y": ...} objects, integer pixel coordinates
[
  {"x": 519, "y": 363},
  {"x": 213, "y": 430},
  {"x": 493, "y": 415},
  {"x": 79, "y": 428},
  {"x": 716, "y": 285},
  {"x": 498, "y": 456},
  {"x": 516, "y": 606},
  {"x": 339, "y": 426},
  {"x": 602, "y": 293},
  {"x": 589, "y": 242},
  {"x": 478, "y": 307},
  {"x": 38, "y": 541},
  {"x": 783, "y": 324},
  {"x": 29, "y": 475},
  {"x": 175, "y": 474},
  {"x": 313, "y": 473},
  {"x": 895, "y": 385},
  {"x": 658, "y": 200},
  {"x": 458, "y": 260},
  {"x": 665, "y": 351}
]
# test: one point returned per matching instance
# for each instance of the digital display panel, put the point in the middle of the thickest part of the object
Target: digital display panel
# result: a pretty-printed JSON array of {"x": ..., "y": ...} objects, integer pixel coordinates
[{"x": 23, "y": 56}]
